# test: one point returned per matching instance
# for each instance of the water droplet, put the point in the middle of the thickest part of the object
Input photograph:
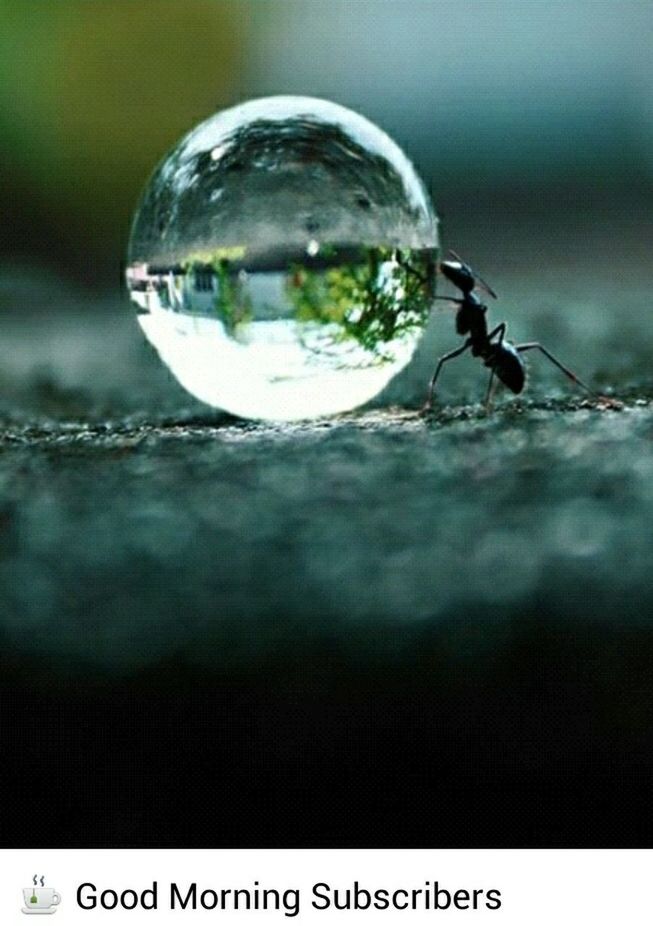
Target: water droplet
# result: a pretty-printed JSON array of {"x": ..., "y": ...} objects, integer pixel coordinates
[{"x": 282, "y": 259}]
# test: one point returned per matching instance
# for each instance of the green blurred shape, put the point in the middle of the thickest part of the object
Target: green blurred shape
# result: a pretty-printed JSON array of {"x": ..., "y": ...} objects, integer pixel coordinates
[{"x": 93, "y": 93}]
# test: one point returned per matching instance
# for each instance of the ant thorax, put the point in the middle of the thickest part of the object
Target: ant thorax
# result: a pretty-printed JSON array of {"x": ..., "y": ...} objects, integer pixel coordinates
[{"x": 470, "y": 318}]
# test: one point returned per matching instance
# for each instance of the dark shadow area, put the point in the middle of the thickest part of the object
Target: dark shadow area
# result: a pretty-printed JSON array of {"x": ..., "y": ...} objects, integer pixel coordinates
[{"x": 545, "y": 741}]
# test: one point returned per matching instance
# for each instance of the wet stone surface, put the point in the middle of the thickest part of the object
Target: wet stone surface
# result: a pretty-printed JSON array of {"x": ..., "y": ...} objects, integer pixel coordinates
[
  {"x": 466, "y": 597},
  {"x": 384, "y": 522}
]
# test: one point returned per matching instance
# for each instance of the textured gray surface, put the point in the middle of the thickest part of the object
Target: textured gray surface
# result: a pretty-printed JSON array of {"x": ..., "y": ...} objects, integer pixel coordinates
[
  {"x": 165, "y": 527},
  {"x": 374, "y": 630}
]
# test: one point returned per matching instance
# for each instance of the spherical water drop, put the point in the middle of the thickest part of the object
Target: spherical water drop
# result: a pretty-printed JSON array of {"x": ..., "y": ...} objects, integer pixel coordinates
[{"x": 282, "y": 259}]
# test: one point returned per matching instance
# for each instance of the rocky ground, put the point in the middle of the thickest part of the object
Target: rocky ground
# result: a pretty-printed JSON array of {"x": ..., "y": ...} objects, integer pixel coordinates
[{"x": 379, "y": 629}]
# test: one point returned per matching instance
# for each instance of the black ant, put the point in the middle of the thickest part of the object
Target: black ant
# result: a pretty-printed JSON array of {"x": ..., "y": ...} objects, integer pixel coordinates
[{"x": 501, "y": 357}]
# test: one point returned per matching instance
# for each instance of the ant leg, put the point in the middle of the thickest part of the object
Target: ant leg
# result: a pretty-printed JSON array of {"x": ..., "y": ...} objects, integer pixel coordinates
[
  {"x": 500, "y": 330},
  {"x": 490, "y": 392},
  {"x": 534, "y": 345},
  {"x": 454, "y": 353}
]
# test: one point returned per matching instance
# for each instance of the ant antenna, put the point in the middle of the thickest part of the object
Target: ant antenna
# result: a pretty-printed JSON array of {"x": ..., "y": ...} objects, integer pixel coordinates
[{"x": 488, "y": 289}]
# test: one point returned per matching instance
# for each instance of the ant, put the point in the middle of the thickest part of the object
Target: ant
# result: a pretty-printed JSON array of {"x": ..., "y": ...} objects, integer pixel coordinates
[{"x": 501, "y": 357}]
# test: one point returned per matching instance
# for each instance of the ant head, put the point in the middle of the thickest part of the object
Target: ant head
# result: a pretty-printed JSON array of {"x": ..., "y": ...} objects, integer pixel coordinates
[
  {"x": 459, "y": 274},
  {"x": 462, "y": 276}
]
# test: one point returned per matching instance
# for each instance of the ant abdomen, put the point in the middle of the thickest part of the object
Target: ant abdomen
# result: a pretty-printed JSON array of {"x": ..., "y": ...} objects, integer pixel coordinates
[{"x": 507, "y": 366}]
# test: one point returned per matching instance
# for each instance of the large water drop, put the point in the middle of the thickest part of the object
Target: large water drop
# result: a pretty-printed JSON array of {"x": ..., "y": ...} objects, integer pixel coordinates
[{"x": 282, "y": 259}]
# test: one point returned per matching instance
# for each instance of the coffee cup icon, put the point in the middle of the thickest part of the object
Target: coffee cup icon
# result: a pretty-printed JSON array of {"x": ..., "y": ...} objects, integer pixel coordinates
[{"x": 40, "y": 900}]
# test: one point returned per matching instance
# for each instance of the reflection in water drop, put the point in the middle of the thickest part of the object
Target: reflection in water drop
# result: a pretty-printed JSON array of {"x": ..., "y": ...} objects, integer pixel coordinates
[{"x": 282, "y": 259}]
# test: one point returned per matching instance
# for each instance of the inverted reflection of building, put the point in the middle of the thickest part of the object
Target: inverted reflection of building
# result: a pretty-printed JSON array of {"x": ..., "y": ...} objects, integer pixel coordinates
[
  {"x": 175, "y": 291},
  {"x": 199, "y": 291},
  {"x": 228, "y": 291}
]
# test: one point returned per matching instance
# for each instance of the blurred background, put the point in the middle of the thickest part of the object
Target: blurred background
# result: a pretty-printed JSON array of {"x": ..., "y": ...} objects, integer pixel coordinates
[{"x": 534, "y": 116}]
